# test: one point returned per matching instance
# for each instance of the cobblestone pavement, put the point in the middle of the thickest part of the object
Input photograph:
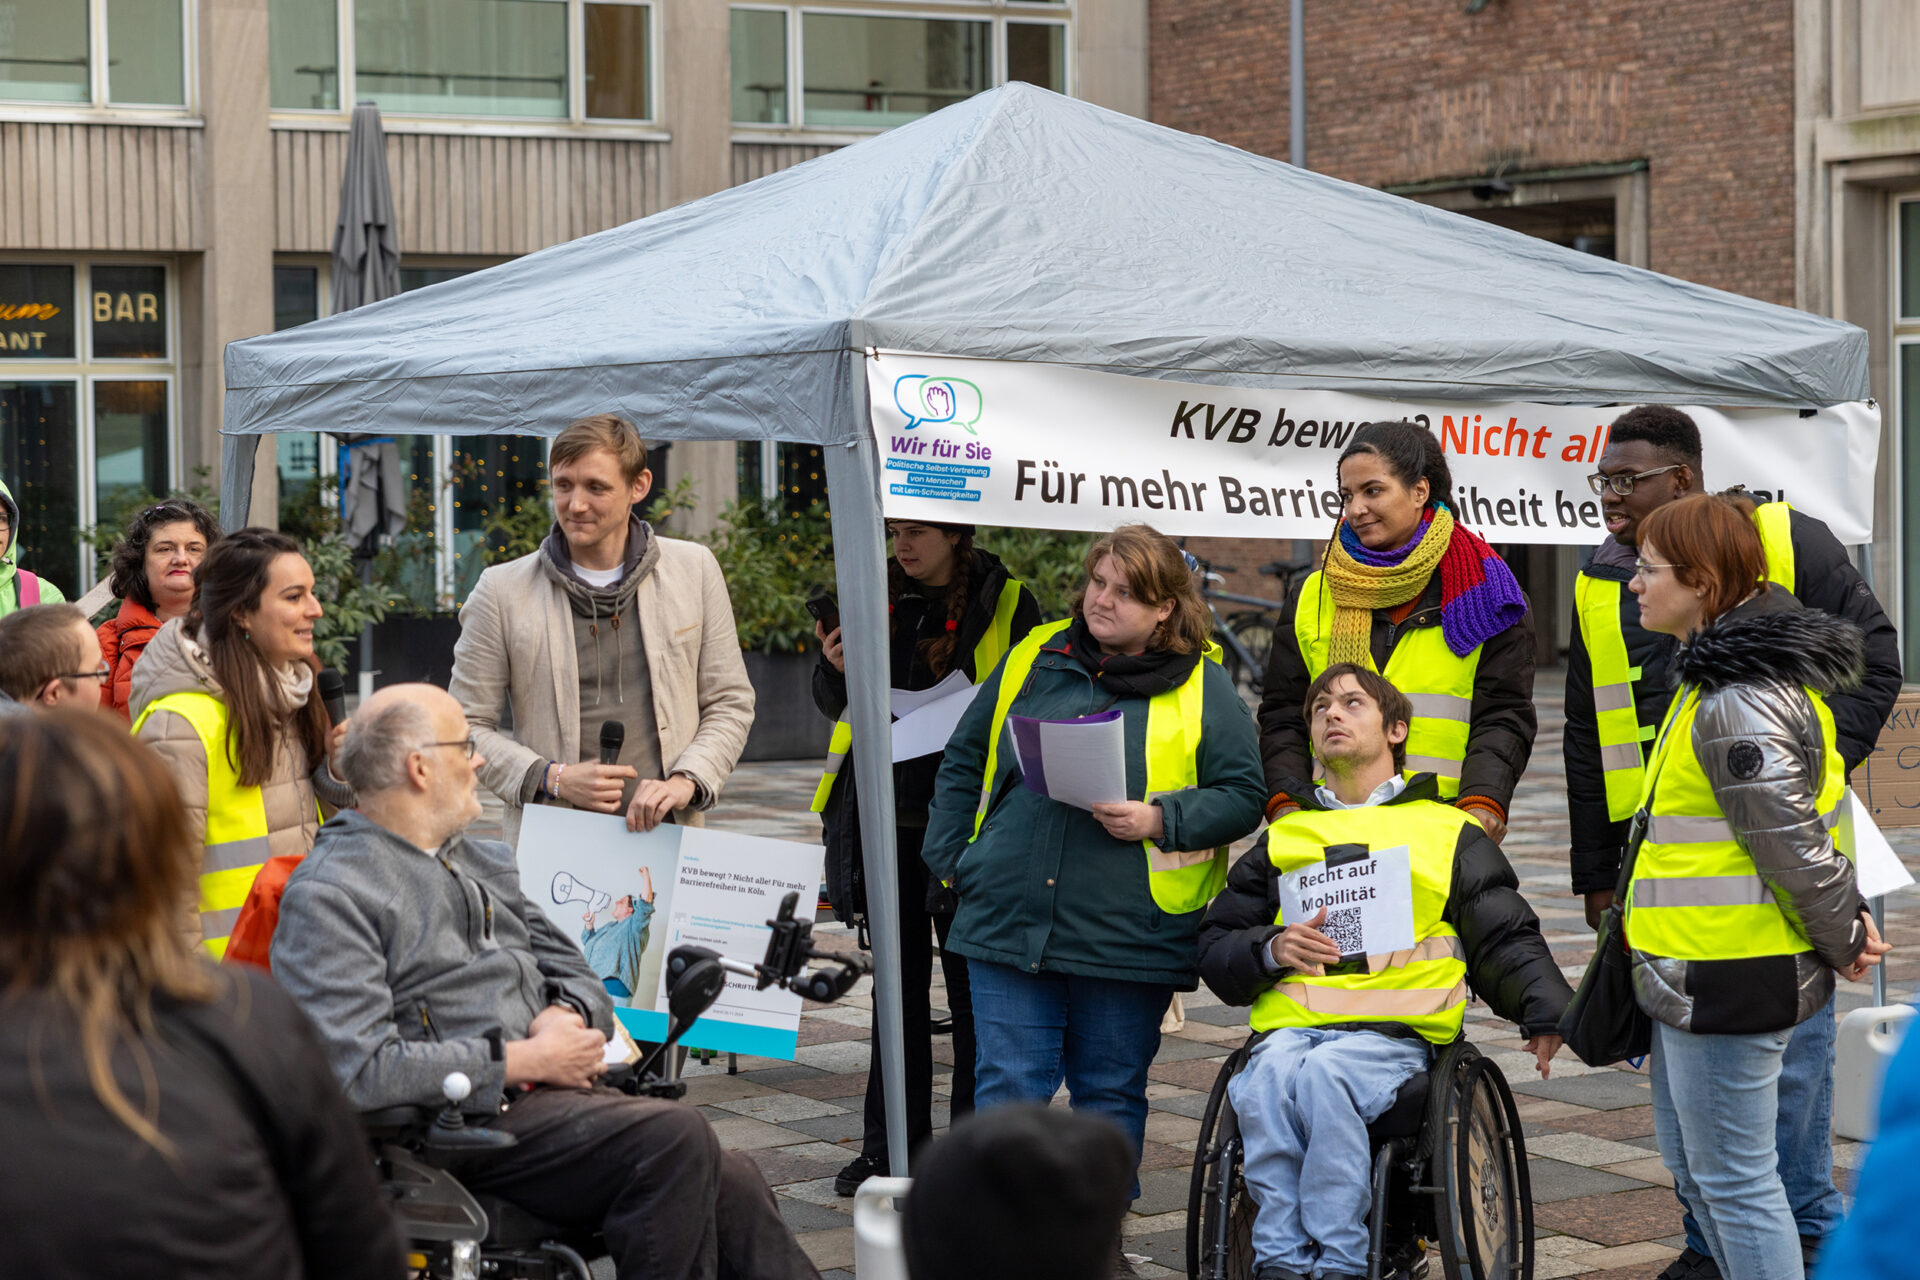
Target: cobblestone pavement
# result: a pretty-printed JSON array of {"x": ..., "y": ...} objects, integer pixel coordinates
[{"x": 1602, "y": 1203}]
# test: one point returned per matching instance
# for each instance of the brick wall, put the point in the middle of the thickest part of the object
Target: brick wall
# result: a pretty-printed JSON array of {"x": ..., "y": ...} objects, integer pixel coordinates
[{"x": 1407, "y": 90}]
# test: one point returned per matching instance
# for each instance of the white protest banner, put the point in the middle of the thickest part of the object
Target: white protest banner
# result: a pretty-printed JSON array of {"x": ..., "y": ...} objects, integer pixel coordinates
[
  {"x": 628, "y": 898},
  {"x": 1051, "y": 447},
  {"x": 1368, "y": 897}
]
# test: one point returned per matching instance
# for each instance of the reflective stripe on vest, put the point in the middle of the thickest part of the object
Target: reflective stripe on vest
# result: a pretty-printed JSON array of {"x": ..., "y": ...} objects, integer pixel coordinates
[
  {"x": 1437, "y": 681},
  {"x": 237, "y": 840},
  {"x": 1695, "y": 894},
  {"x": 1424, "y": 987},
  {"x": 986, "y": 656},
  {"x": 1180, "y": 881},
  {"x": 1616, "y": 716}
]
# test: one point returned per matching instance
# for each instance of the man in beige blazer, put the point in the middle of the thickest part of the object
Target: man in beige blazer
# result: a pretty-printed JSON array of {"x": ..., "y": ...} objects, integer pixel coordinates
[{"x": 606, "y": 621}]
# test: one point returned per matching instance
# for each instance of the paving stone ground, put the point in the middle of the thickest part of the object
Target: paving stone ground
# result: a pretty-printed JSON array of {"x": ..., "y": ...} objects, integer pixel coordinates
[{"x": 1602, "y": 1200}]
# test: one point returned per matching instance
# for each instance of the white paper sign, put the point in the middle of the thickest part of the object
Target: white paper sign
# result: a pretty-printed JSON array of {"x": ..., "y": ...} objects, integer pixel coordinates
[
  {"x": 928, "y": 724},
  {"x": 1369, "y": 901},
  {"x": 628, "y": 898},
  {"x": 1043, "y": 446},
  {"x": 1877, "y": 866}
]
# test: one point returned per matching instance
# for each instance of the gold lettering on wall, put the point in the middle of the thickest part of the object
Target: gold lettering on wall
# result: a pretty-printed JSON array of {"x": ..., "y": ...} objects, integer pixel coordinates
[
  {"x": 126, "y": 306},
  {"x": 28, "y": 310},
  {"x": 26, "y": 341}
]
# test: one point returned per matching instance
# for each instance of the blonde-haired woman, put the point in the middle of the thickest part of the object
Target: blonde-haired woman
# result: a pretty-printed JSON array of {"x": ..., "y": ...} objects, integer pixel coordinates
[{"x": 1079, "y": 926}]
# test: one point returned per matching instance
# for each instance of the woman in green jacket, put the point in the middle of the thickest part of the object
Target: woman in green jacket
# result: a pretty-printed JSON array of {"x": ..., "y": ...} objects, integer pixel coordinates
[{"x": 1079, "y": 926}]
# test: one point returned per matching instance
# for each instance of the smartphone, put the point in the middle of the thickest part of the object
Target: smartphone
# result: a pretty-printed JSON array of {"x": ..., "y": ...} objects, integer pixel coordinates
[{"x": 825, "y": 610}]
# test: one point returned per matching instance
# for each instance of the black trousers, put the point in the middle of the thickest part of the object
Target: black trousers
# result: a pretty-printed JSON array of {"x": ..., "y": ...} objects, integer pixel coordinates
[
  {"x": 916, "y": 985},
  {"x": 651, "y": 1176}
]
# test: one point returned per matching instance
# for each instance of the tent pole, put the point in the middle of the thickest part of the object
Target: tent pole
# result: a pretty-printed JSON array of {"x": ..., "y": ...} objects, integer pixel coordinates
[
  {"x": 860, "y": 565},
  {"x": 236, "y": 479},
  {"x": 1297, "y": 84}
]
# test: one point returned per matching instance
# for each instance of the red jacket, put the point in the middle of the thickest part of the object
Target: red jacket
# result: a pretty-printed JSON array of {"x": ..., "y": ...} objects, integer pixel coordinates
[{"x": 123, "y": 638}]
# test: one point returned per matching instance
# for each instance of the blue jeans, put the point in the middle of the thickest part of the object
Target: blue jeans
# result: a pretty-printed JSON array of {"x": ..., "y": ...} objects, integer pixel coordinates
[
  {"x": 1099, "y": 1035},
  {"x": 1304, "y": 1100},
  {"x": 1803, "y": 1133},
  {"x": 1715, "y": 1101}
]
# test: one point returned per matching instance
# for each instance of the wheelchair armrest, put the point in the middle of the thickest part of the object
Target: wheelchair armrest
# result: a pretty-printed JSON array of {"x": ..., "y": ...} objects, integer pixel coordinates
[{"x": 391, "y": 1122}]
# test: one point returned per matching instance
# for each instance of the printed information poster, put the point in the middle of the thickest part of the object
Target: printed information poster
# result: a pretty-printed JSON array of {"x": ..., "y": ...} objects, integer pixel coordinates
[
  {"x": 628, "y": 898},
  {"x": 1041, "y": 446}
]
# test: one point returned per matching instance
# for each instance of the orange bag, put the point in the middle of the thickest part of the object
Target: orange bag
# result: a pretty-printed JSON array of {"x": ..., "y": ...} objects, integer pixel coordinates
[{"x": 252, "y": 938}]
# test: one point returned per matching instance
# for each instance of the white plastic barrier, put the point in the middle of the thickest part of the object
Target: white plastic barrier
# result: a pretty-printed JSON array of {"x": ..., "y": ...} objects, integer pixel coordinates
[
  {"x": 1867, "y": 1041},
  {"x": 878, "y": 1250}
]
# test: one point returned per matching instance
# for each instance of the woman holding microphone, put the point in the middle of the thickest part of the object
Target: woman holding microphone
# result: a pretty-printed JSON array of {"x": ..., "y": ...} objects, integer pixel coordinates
[
  {"x": 1079, "y": 926},
  {"x": 1408, "y": 591},
  {"x": 227, "y": 696},
  {"x": 950, "y": 607},
  {"x": 1739, "y": 909}
]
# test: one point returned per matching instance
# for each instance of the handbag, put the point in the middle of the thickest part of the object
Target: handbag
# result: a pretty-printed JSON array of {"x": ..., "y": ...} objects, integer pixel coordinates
[{"x": 1605, "y": 1024}]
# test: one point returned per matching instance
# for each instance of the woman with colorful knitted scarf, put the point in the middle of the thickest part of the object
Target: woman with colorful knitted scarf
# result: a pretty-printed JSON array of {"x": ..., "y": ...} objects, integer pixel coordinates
[{"x": 1409, "y": 591}]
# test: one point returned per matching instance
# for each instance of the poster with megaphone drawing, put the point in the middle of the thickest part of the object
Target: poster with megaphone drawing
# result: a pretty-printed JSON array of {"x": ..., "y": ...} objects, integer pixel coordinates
[{"x": 628, "y": 898}]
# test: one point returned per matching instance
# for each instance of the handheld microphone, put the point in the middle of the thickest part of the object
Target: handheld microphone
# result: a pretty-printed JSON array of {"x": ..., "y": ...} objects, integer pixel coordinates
[
  {"x": 612, "y": 735},
  {"x": 333, "y": 694}
]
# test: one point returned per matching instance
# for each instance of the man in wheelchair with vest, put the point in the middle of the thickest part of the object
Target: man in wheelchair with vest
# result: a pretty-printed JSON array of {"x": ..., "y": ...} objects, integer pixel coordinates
[
  {"x": 1350, "y": 995},
  {"x": 414, "y": 954}
]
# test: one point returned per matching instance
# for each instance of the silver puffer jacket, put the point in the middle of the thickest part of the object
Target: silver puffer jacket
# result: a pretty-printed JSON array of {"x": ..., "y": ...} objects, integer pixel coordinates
[{"x": 1753, "y": 665}]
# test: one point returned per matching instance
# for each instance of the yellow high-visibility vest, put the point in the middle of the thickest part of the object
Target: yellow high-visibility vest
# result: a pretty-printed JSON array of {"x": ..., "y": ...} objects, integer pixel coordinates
[
  {"x": 1424, "y": 988},
  {"x": 1695, "y": 894},
  {"x": 986, "y": 655},
  {"x": 1616, "y": 717},
  {"x": 1437, "y": 681},
  {"x": 236, "y": 845},
  {"x": 1179, "y": 881}
]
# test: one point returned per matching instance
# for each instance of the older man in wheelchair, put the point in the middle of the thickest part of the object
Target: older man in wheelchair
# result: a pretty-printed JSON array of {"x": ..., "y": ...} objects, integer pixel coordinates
[
  {"x": 415, "y": 956},
  {"x": 1356, "y": 936}
]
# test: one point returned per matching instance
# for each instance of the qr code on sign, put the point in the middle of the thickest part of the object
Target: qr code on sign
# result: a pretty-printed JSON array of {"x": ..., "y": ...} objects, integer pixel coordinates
[{"x": 1343, "y": 928}]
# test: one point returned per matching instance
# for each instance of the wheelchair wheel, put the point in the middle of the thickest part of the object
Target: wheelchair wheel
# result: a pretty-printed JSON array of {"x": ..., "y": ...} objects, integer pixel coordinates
[
  {"x": 1480, "y": 1168},
  {"x": 1219, "y": 1210}
]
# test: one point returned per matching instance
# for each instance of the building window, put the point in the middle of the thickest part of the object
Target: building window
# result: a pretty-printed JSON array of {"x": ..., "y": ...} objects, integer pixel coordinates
[
  {"x": 508, "y": 59},
  {"x": 50, "y": 52},
  {"x": 299, "y": 455},
  {"x": 86, "y": 384},
  {"x": 874, "y": 70}
]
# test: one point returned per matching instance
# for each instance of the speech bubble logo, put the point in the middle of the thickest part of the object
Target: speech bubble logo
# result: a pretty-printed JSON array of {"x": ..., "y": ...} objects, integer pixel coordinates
[{"x": 927, "y": 399}]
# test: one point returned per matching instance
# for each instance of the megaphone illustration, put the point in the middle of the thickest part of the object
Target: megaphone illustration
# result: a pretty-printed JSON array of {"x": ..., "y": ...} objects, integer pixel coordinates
[{"x": 566, "y": 889}]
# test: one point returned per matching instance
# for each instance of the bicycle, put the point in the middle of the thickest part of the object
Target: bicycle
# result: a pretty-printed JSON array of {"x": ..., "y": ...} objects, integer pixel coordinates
[{"x": 1246, "y": 635}]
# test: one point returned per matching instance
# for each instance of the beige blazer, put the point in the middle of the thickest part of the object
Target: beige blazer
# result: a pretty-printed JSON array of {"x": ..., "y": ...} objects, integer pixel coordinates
[{"x": 516, "y": 650}]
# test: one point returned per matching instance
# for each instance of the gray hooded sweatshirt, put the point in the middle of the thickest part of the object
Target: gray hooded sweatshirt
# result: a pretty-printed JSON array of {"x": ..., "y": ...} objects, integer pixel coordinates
[{"x": 414, "y": 964}]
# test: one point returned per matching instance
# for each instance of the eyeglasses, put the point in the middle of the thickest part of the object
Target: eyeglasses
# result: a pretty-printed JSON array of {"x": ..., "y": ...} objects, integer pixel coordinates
[
  {"x": 465, "y": 743},
  {"x": 1641, "y": 569},
  {"x": 1623, "y": 484},
  {"x": 104, "y": 673}
]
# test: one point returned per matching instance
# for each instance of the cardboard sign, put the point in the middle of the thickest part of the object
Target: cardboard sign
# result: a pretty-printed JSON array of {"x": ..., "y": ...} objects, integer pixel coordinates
[{"x": 1888, "y": 781}]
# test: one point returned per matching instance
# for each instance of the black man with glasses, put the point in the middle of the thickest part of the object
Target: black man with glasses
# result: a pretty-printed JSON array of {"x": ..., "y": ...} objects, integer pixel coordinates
[{"x": 1617, "y": 695}]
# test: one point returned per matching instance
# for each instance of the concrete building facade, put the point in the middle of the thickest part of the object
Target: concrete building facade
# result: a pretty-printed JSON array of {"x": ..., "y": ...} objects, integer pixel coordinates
[
  {"x": 169, "y": 177},
  {"x": 1766, "y": 147}
]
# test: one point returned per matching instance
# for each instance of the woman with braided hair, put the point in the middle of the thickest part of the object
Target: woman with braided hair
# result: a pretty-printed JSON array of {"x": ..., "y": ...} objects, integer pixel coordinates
[
  {"x": 1408, "y": 591},
  {"x": 950, "y": 607}
]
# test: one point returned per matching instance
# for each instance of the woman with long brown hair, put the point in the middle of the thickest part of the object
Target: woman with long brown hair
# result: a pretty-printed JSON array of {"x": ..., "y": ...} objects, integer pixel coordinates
[
  {"x": 950, "y": 607},
  {"x": 167, "y": 1117},
  {"x": 227, "y": 696},
  {"x": 1079, "y": 924}
]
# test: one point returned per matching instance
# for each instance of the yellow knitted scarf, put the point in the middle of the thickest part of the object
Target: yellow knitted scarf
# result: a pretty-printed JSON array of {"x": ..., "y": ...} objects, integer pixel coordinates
[{"x": 1358, "y": 589}]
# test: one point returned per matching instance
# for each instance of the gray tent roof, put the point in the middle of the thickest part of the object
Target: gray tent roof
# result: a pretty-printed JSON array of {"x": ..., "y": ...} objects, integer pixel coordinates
[{"x": 1023, "y": 225}]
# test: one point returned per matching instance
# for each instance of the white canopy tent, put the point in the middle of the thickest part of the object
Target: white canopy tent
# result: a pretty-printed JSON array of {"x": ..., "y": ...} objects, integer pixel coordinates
[{"x": 1019, "y": 226}]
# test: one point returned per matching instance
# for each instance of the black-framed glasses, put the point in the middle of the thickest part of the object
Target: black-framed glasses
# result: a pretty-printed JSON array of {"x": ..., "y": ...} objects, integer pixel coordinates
[
  {"x": 104, "y": 672},
  {"x": 466, "y": 744},
  {"x": 1623, "y": 484}
]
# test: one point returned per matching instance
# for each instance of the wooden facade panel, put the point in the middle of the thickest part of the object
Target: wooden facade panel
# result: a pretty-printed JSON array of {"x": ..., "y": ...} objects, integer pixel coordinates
[
  {"x": 758, "y": 159},
  {"x": 458, "y": 194},
  {"x": 86, "y": 186}
]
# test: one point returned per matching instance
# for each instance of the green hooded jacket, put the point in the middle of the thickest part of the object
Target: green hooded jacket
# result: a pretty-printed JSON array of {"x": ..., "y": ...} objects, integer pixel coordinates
[
  {"x": 1045, "y": 888},
  {"x": 9, "y": 571}
]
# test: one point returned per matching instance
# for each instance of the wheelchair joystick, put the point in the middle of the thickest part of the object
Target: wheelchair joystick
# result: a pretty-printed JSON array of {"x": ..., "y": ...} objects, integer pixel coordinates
[
  {"x": 450, "y": 1131},
  {"x": 454, "y": 1089}
]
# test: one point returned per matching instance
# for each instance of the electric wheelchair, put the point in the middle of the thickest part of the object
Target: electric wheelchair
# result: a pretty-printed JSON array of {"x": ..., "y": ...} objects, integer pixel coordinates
[
  {"x": 456, "y": 1234},
  {"x": 1449, "y": 1168}
]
